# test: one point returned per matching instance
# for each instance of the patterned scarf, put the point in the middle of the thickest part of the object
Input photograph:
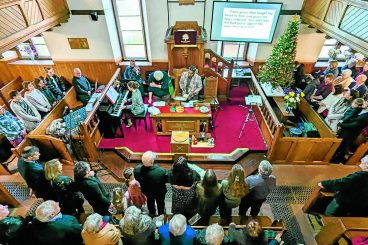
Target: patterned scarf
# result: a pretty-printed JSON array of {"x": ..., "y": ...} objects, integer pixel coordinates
[{"x": 26, "y": 107}]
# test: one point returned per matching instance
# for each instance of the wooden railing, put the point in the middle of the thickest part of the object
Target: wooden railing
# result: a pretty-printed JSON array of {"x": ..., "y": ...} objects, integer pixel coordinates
[
  {"x": 90, "y": 134},
  {"x": 223, "y": 85},
  {"x": 26, "y": 19},
  {"x": 268, "y": 122},
  {"x": 218, "y": 63}
]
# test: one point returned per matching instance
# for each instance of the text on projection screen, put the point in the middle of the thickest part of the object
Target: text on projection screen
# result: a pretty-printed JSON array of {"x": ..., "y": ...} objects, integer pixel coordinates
[{"x": 247, "y": 23}]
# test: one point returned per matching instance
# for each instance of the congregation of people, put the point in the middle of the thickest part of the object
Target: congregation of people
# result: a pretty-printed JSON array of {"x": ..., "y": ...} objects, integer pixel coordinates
[
  {"x": 340, "y": 96},
  {"x": 195, "y": 192}
]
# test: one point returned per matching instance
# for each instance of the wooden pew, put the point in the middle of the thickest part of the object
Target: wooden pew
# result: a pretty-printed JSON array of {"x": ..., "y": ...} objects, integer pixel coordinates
[{"x": 15, "y": 84}]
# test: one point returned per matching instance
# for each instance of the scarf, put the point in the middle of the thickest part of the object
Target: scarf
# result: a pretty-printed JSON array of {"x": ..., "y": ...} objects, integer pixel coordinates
[{"x": 26, "y": 107}]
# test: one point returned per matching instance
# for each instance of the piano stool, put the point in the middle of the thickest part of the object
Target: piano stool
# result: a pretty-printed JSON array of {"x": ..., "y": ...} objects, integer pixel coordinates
[
  {"x": 141, "y": 116},
  {"x": 165, "y": 98}
]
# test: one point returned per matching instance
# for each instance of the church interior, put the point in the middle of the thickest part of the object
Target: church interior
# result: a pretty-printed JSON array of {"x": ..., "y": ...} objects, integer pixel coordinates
[{"x": 111, "y": 110}]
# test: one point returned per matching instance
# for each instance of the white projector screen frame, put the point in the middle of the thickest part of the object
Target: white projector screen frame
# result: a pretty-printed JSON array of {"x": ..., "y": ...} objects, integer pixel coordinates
[{"x": 235, "y": 32}]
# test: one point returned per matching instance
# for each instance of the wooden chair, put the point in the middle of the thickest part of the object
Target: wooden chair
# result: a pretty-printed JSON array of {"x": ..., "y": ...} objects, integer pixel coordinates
[{"x": 141, "y": 116}]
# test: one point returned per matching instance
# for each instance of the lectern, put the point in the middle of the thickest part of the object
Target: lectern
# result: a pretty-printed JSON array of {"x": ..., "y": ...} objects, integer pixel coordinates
[{"x": 185, "y": 46}]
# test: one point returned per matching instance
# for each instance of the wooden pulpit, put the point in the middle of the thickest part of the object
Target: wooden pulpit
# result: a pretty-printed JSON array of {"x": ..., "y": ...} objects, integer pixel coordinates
[{"x": 185, "y": 46}]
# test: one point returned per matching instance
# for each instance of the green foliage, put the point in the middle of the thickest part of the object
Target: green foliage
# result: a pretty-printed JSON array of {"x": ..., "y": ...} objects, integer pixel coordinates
[{"x": 279, "y": 67}]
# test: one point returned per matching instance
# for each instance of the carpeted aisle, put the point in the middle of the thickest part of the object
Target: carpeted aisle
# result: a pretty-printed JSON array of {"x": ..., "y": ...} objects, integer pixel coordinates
[{"x": 227, "y": 127}]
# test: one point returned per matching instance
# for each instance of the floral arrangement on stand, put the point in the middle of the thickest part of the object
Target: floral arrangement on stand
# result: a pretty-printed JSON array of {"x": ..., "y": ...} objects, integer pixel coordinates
[
  {"x": 292, "y": 98},
  {"x": 30, "y": 50}
]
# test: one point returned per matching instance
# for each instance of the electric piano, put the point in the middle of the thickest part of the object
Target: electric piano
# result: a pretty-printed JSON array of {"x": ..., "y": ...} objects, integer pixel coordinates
[{"x": 116, "y": 109}]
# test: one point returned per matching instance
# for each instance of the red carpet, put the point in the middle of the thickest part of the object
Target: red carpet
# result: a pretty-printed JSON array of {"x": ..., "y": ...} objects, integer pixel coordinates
[{"x": 228, "y": 123}]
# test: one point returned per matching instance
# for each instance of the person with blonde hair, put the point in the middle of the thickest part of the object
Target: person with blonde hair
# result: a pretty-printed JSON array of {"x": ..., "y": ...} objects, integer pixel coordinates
[
  {"x": 177, "y": 232},
  {"x": 50, "y": 226},
  {"x": 234, "y": 188},
  {"x": 134, "y": 195},
  {"x": 253, "y": 234},
  {"x": 64, "y": 189},
  {"x": 260, "y": 186},
  {"x": 96, "y": 231},
  {"x": 136, "y": 227}
]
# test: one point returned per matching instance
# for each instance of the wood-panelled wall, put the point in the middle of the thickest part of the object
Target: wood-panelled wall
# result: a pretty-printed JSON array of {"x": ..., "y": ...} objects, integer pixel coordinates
[
  {"x": 102, "y": 71},
  {"x": 22, "y": 19},
  {"x": 344, "y": 20}
]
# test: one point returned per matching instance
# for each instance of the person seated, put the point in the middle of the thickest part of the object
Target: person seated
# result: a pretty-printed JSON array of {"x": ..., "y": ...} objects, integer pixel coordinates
[
  {"x": 158, "y": 86},
  {"x": 24, "y": 110},
  {"x": 96, "y": 231},
  {"x": 41, "y": 86},
  {"x": 260, "y": 186},
  {"x": 351, "y": 65},
  {"x": 64, "y": 190},
  {"x": 33, "y": 172},
  {"x": 298, "y": 73},
  {"x": 50, "y": 226},
  {"x": 92, "y": 189},
  {"x": 329, "y": 100},
  {"x": 82, "y": 86},
  {"x": 4, "y": 211},
  {"x": 212, "y": 235},
  {"x": 177, "y": 232},
  {"x": 13, "y": 231},
  {"x": 351, "y": 193},
  {"x": 190, "y": 83},
  {"x": 349, "y": 131},
  {"x": 208, "y": 193},
  {"x": 234, "y": 188},
  {"x": 137, "y": 106},
  {"x": 36, "y": 98},
  {"x": 338, "y": 109},
  {"x": 54, "y": 83},
  {"x": 253, "y": 234},
  {"x": 132, "y": 72},
  {"x": 345, "y": 79},
  {"x": 183, "y": 181},
  {"x": 136, "y": 227},
  {"x": 333, "y": 68},
  {"x": 353, "y": 111},
  {"x": 134, "y": 195},
  {"x": 363, "y": 71},
  {"x": 11, "y": 127},
  {"x": 312, "y": 83},
  {"x": 360, "y": 86},
  {"x": 323, "y": 90}
]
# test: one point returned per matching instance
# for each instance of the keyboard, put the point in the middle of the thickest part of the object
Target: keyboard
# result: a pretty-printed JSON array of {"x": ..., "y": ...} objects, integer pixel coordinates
[{"x": 116, "y": 109}]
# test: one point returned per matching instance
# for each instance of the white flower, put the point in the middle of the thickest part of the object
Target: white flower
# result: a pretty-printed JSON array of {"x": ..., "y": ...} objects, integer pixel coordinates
[
  {"x": 298, "y": 99},
  {"x": 291, "y": 100}
]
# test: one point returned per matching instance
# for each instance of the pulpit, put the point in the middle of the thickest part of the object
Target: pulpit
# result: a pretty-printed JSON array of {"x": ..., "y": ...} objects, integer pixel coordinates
[{"x": 185, "y": 46}]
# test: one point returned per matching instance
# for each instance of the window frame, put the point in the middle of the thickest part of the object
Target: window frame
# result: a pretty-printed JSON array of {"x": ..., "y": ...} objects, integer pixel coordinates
[
  {"x": 29, "y": 42},
  {"x": 242, "y": 57},
  {"x": 324, "y": 59},
  {"x": 120, "y": 34}
]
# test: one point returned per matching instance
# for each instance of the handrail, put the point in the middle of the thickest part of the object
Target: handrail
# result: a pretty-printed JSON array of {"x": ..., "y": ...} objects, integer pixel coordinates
[
  {"x": 102, "y": 96},
  {"x": 264, "y": 99},
  {"x": 222, "y": 59}
]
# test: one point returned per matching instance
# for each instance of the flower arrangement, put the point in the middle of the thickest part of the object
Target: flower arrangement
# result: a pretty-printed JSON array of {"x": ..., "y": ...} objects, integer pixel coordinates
[
  {"x": 30, "y": 50},
  {"x": 333, "y": 53},
  {"x": 292, "y": 98}
]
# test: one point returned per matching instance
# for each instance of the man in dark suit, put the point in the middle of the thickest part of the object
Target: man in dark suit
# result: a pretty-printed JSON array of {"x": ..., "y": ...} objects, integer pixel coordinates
[
  {"x": 33, "y": 173},
  {"x": 52, "y": 227},
  {"x": 360, "y": 86},
  {"x": 92, "y": 189},
  {"x": 351, "y": 197},
  {"x": 55, "y": 84},
  {"x": 82, "y": 85},
  {"x": 153, "y": 180},
  {"x": 349, "y": 131}
]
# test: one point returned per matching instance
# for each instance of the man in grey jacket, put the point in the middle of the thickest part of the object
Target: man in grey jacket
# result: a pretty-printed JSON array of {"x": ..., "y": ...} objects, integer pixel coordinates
[{"x": 24, "y": 110}]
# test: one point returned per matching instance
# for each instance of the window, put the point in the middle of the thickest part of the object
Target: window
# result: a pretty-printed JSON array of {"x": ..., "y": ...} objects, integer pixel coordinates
[
  {"x": 129, "y": 19},
  {"x": 330, "y": 44},
  {"x": 33, "y": 49},
  {"x": 232, "y": 50}
]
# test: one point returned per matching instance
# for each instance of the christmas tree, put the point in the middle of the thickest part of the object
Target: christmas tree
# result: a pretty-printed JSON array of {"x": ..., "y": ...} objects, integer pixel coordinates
[{"x": 278, "y": 69}]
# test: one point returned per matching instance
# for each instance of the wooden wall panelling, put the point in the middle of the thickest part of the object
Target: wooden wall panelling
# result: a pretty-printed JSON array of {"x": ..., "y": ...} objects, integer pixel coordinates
[
  {"x": 21, "y": 20},
  {"x": 317, "y": 8},
  {"x": 334, "y": 13}
]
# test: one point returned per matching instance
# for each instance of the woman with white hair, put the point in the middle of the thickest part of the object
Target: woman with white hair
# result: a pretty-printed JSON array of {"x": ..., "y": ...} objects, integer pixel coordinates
[
  {"x": 177, "y": 232},
  {"x": 137, "y": 228},
  {"x": 96, "y": 231},
  {"x": 260, "y": 186},
  {"x": 158, "y": 86},
  {"x": 345, "y": 79},
  {"x": 212, "y": 235}
]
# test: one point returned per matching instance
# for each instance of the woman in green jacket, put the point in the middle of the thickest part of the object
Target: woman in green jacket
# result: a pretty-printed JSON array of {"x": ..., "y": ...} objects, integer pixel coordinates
[{"x": 137, "y": 106}]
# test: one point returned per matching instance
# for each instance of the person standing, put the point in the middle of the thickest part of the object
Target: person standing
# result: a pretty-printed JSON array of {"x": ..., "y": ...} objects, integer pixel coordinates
[
  {"x": 260, "y": 186},
  {"x": 36, "y": 98},
  {"x": 153, "y": 179},
  {"x": 11, "y": 127},
  {"x": 54, "y": 83},
  {"x": 190, "y": 83},
  {"x": 132, "y": 72},
  {"x": 33, "y": 172},
  {"x": 92, "y": 189},
  {"x": 24, "y": 110},
  {"x": 82, "y": 85}
]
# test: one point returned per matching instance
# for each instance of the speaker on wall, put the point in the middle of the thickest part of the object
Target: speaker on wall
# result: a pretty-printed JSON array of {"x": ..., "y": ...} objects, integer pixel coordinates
[{"x": 94, "y": 15}]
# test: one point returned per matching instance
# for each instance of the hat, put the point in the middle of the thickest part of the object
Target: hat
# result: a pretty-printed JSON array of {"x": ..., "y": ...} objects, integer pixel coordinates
[
  {"x": 158, "y": 75},
  {"x": 192, "y": 68}
]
